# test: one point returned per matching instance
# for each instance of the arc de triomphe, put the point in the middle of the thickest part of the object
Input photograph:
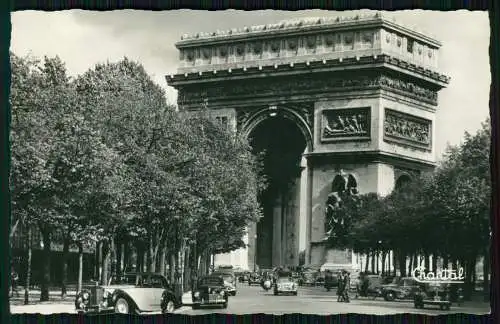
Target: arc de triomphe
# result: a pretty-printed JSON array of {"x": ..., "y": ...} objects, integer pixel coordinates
[{"x": 355, "y": 97}]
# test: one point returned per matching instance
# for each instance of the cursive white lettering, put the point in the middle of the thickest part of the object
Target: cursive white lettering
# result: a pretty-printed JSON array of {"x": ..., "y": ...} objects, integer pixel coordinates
[{"x": 443, "y": 276}]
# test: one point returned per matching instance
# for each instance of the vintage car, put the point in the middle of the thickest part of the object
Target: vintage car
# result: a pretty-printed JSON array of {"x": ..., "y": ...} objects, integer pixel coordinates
[
  {"x": 400, "y": 288},
  {"x": 210, "y": 290},
  {"x": 229, "y": 281},
  {"x": 369, "y": 286},
  {"x": 131, "y": 293},
  {"x": 308, "y": 278},
  {"x": 243, "y": 276},
  {"x": 285, "y": 285},
  {"x": 253, "y": 279},
  {"x": 434, "y": 295}
]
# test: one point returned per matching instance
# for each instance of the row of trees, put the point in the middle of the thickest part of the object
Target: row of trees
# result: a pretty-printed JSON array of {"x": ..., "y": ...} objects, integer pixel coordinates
[
  {"x": 445, "y": 214},
  {"x": 102, "y": 159}
]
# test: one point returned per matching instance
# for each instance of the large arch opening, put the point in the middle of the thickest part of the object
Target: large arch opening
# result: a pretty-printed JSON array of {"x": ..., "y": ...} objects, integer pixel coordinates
[
  {"x": 280, "y": 143},
  {"x": 403, "y": 181}
]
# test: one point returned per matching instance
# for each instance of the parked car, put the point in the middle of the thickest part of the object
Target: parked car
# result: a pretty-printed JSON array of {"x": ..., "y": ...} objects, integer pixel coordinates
[
  {"x": 433, "y": 294},
  {"x": 331, "y": 280},
  {"x": 229, "y": 281},
  {"x": 308, "y": 278},
  {"x": 131, "y": 293},
  {"x": 243, "y": 276},
  {"x": 210, "y": 291},
  {"x": 400, "y": 288},
  {"x": 253, "y": 279},
  {"x": 369, "y": 286},
  {"x": 285, "y": 285}
]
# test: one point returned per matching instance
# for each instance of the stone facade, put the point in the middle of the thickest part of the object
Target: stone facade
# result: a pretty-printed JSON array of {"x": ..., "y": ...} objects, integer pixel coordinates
[{"x": 363, "y": 91}]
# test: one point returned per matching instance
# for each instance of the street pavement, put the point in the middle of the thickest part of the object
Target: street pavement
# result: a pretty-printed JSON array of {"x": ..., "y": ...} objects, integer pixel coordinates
[
  {"x": 310, "y": 300},
  {"x": 316, "y": 300}
]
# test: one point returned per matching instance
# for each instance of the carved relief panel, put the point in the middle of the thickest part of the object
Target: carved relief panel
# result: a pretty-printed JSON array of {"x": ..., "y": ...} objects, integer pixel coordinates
[
  {"x": 345, "y": 124},
  {"x": 408, "y": 130}
]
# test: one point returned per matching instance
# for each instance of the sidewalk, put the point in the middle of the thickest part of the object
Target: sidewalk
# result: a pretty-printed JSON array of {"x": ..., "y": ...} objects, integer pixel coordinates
[{"x": 34, "y": 297}]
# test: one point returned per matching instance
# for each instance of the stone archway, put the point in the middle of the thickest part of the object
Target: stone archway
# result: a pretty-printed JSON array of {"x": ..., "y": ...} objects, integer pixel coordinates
[
  {"x": 259, "y": 116},
  {"x": 402, "y": 181},
  {"x": 280, "y": 141}
]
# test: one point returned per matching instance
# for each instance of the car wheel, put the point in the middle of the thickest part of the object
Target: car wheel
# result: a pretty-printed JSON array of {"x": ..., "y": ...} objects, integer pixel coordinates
[
  {"x": 295, "y": 293},
  {"x": 275, "y": 292},
  {"x": 224, "y": 306},
  {"x": 169, "y": 307},
  {"x": 122, "y": 306},
  {"x": 233, "y": 293},
  {"x": 389, "y": 296}
]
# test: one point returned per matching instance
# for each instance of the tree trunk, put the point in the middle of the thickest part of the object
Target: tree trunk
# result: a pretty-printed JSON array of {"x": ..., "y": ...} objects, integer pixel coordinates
[
  {"x": 486, "y": 273},
  {"x": 367, "y": 263},
  {"x": 208, "y": 256},
  {"x": 106, "y": 263},
  {"x": 402, "y": 263},
  {"x": 396, "y": 263},
  {"x": 138, "y": 259},
  {"x": 377, "y": 255},
  {"x": 80, "y": 267},
  {"x": 44, "y": 294},
  {"x": 434, "y": 262},
  {"x": 145, "y": 260},
  {"x": 427, "y": 262},
  {"x": 411, "y": 264},
  {"x": 373, "y": 262},
  {"x": 64, "y": 279},
  {"x": 163, "y": 258},
  {"x": 470, "y": 264},
  {"x": 445, "y": 261},
  {"x": 187, "y": 269},
  {"x": 383, "y": 262},
  {"x": 171, "y": 266},
  {"x": 114, "y": 257},
  {"x": 121, "y": 268},
  {"x": 100, "y": 260},
  {"x": 119, "y": 257},
  {"x": 151, "y": 255},
  {"x": 389, "y": 259},
  {"x": 28, "y": 267}
]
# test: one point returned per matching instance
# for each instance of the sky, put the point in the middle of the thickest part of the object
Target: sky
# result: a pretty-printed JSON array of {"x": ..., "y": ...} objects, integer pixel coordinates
[{"x": 84, "y": 38}]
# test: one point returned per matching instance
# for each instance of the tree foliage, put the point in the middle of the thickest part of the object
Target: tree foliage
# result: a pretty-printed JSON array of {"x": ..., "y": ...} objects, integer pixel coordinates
[
  {"x": 445, "y": 213},
  {"x": 103, "y": 157}
]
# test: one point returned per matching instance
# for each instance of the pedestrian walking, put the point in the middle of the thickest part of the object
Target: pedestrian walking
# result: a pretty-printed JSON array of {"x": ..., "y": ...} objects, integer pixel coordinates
[
  {"x": 14, "y": 277},
  {"x": 340, "y": 287},
  {"x": 347, "y": 283}
]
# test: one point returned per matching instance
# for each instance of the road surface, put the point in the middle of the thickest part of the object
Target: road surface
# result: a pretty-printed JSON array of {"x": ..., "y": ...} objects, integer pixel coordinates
[
  {"x": 315, "y": 300},
  {"x": 310, "y": 300}
]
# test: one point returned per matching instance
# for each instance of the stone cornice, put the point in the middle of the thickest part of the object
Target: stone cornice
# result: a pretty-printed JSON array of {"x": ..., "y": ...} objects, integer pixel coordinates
[
  {"x": 304, "y": 26},
  {"x": 309, "y": 84},
  {"x": 371, "y": 156},
  {"x": 314, "y": 65}
]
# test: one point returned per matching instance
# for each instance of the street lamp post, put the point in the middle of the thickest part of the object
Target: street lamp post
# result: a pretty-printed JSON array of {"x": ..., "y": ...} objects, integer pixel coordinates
[{"x": 255, "y": 253}]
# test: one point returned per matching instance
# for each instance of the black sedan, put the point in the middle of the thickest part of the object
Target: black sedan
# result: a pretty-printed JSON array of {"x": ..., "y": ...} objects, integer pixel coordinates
[{"x": 210, "y": 291}]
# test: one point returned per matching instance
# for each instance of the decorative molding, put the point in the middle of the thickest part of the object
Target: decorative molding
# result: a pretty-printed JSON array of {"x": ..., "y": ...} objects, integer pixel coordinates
[
  {"x": 405, "y": 129},
  {"x": 299, "y": 85},
  {"x": 345, "y": 124},
  {"x": 308, "y": 24},
  {"x": 307, "y": 113},
  {"x": 242, "y": 116},
  {"x": 304, "y": 110}
]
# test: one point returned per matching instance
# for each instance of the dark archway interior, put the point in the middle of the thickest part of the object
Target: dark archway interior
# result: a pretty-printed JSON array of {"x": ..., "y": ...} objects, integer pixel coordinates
[
  {"x": 402, "y": 181},
  {"x": 280, "y": 144}
]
